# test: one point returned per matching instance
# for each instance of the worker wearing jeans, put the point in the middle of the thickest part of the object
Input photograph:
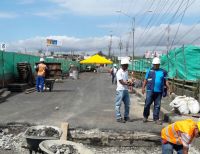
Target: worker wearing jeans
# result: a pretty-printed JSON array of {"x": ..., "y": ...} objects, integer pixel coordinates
[
  {"x": 179, "y": 135},
  {"x": 155, "y": 83},
  {"x": 41, "y": 70},
  {"x": 122, "y": 94},
  {"x": 40, "y": 83},
  {"x": 150, "y": 97},
  {"x": 168, "y": 148}
]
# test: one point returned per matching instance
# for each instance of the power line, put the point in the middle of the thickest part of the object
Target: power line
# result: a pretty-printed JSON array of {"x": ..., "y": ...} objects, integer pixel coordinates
[
  {"x": 180, "y": 24},
  {"x": 146, "y": 28},
  {"x": 172, "y": 19},
  {"x": 149, "y": 36}
]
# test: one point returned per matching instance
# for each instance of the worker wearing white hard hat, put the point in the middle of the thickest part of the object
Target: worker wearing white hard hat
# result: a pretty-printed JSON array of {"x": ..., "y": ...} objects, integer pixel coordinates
[
  {"x": 122, "y": 93},
  {"x": 156, "y": 85},
  {"x": 41, "y": 69},
  {"x": 113, "y": 73},
  {"x": 42, "y": 60},
  {"x": 156, "y": 61},
  {"x": 115, "y": 65}
]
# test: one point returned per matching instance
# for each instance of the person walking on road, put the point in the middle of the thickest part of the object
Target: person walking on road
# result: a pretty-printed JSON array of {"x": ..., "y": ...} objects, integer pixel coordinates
[
  {"x": 155, "y": 83},
  {"x": 179, "y": 135},
  {"x": 122, "y": 93},
  {"x": 113, "y": 73},
  {"x": 41, "y": 69}
]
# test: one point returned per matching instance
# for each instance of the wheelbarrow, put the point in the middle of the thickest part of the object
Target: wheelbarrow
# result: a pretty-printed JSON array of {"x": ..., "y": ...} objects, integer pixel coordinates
[
  {"x": 34, "y": 141},
  {"x": 49, "y": 84}
]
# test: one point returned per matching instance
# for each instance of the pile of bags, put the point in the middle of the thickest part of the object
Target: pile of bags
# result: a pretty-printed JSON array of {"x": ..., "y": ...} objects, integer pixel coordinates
[{"x": 185, "y": 105}]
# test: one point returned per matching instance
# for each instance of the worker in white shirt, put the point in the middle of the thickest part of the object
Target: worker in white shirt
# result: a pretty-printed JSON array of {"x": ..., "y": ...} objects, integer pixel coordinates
[{"x": 122, "y": 93}]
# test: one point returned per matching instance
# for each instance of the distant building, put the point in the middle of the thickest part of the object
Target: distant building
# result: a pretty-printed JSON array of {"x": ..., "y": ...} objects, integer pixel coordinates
[{"x": 152, "y": 54}]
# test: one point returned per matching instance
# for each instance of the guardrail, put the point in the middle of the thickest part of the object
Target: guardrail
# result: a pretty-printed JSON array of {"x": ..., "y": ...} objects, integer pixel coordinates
[{"x": 178, "y": 86}]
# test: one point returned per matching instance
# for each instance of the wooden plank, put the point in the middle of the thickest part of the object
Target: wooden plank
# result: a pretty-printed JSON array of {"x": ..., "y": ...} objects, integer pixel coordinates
[
  {"x": 64, "y": 128},
  {"x": 192, "y": 115},
  {"x": 30, "y": 90}
]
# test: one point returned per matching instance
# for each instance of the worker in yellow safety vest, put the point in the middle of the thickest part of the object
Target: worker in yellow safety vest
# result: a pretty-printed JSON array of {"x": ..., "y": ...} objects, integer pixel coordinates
[
  {"x": 41, "y": 69},
  {"x": 179, "y": 135}
]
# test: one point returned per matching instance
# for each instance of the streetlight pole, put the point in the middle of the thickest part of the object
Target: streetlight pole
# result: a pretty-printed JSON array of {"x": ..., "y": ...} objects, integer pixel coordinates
[{"x": 133, "y": 31}]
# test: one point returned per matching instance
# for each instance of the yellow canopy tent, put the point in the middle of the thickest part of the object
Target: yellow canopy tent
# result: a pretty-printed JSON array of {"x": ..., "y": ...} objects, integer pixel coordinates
[{"x": 96, "y": 59}]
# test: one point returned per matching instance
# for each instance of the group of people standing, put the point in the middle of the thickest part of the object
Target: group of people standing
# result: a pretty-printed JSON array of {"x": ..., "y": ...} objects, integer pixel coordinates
[
  {"x": 154, "y": 84},
  {"x": 177, "y": 136}
]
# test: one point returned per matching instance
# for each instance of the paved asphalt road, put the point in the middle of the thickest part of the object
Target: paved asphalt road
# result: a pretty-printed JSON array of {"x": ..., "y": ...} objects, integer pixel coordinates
[{"x": 87, "y": 103}]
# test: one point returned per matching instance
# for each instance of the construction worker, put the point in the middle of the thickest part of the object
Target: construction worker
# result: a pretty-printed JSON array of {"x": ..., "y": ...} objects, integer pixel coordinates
[
  {"x": 155, "y": 81},
  {"x": 122, "y": 93},
  {"x": 41, "y": 69},
  {"x": 179, "y": 135},
  {"x": 113, "y": 73}
]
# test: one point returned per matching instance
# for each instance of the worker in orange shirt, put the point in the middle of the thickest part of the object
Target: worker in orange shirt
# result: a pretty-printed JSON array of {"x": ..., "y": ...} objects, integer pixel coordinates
[
  {"x": 41, "y": 69},
  {"x": 179, "y": 135}
]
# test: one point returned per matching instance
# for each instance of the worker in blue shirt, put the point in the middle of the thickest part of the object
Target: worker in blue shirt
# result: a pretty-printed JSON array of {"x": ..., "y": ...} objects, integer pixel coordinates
[{"x": 156, "y": 86}]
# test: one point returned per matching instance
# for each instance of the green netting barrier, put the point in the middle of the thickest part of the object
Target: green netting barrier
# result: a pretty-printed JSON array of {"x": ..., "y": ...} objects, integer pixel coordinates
[
  {"x": 140, "y": 65},
  {"x": 9, "y": 60},
  {"x": 182, "y": 63}
]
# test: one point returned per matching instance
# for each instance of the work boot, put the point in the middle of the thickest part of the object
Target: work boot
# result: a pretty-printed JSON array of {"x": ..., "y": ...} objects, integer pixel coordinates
[
  {"x": 121, "y": 120},
  {"x": 145, "y": 120},
  {"x": 127, "y": 119},
  {"x": 158, "y": 122}
]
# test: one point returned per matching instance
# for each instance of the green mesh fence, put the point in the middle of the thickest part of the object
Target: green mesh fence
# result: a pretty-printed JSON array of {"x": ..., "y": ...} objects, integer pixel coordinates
[
  {"x": 9, "y": 60},
  {"x": 182, "y": 63},
  {"x": 140, "y": 65}
]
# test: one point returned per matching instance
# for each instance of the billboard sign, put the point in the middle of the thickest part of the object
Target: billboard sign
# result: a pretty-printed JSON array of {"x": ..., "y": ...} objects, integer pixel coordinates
[
  {"x": 3, "y": 46},
  {"x": 52, "y": 42}
]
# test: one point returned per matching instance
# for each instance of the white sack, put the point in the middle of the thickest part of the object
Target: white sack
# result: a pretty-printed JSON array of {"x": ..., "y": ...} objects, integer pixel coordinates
[
  {"x": 193, "y": 105},
  {"x": 180, "y": 103}
]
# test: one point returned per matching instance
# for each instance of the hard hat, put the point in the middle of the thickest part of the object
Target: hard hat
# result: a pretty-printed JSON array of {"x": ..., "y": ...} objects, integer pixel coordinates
[
  {"x": 156, "y": 60},
  {"x": 198, "y": 125},
  {"x": 41, "y": 59},
  {"x": 124, "y": 61},
  {"x": 115, "y": 65}
]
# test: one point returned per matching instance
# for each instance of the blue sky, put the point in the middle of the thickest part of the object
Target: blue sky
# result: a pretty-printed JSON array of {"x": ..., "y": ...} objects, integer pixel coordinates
[{"x": 86, "y": 25}]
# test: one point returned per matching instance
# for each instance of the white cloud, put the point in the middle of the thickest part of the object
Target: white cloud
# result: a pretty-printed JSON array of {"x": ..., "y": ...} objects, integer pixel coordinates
[
  {"x": 50, "y": 13},
  {"x": 24, "y": 2},
  {"x": 8, "y": 15},
  {"x": 133, "y": 7},
  {"x": 93, "y": 44},
  {"x": 93, "y": 7}
]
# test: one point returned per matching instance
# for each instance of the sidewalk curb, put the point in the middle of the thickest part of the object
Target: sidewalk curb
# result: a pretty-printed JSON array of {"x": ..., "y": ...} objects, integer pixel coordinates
[{"x": 163, "y": 112}]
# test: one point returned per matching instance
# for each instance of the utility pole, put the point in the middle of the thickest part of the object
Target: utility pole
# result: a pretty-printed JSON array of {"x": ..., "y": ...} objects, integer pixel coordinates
[
  {"x": 110, "y": 46},
  {"x": 133, "y": 29},
  {"x": 120, "y": 47},
  {"x": 127, "y": 46},
  {"x": 168, "y": 32}
]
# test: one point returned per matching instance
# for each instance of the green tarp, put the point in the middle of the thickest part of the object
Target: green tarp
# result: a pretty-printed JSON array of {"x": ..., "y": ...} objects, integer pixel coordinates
[
  {"x": 9, "y": 60},
  {"x": 182, "y": 63}
]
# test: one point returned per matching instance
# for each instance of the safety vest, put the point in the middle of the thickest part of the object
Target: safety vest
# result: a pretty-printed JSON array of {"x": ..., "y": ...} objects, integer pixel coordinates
[
  {"x": 172, "y": 133},
  {"x": 41, "y": 69},
  {"x": 152, "y": 77}
]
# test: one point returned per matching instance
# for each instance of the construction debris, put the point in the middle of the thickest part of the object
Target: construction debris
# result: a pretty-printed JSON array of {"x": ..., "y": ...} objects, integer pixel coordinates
[
  {"x": 63, "y": 149},
  {"x": 44, "y": 132}
]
